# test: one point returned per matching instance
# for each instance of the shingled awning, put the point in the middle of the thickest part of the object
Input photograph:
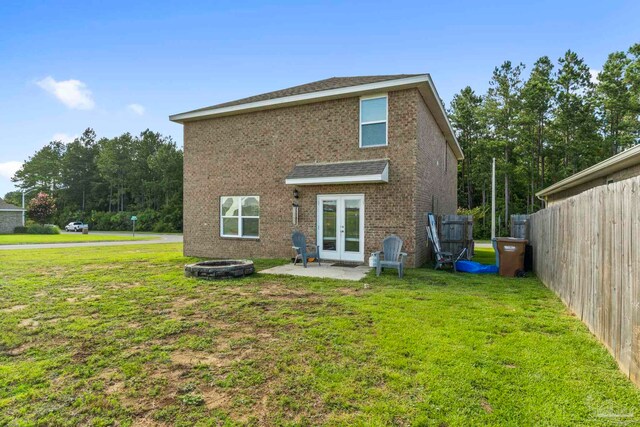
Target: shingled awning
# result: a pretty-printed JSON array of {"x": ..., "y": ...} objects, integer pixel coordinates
[{"x": 369, "y": 171}]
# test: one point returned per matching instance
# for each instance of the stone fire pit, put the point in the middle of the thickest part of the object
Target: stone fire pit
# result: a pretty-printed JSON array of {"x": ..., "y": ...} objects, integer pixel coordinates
[{"x": 222, "y": 269}]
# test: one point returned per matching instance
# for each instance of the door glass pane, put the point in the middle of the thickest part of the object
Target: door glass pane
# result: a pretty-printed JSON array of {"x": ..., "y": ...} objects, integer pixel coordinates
[
  {"x": 352, "y": 225},
  {"x": 230, "y": 226},
  {"x": 329, "y": 224},
  {"x": 250, "y": 227}
]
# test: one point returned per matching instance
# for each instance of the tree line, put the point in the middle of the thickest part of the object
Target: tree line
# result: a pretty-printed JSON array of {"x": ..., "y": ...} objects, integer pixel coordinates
[
  {"x": 542, "y": 128},
  {"x": 105, "y": 181}
]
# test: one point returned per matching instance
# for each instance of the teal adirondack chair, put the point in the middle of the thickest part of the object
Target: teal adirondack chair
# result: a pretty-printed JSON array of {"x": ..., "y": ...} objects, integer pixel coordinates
[
  {"x": 391, "y": 255},
  {"x": 302, "y": 249}
]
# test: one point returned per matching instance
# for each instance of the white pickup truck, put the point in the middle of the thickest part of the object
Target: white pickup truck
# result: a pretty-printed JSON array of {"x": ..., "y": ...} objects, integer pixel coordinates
[{"x": 75, "y": 226}]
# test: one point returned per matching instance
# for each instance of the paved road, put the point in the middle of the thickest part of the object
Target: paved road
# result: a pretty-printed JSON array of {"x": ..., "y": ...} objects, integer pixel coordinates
[{"x": 157, "y": 238}]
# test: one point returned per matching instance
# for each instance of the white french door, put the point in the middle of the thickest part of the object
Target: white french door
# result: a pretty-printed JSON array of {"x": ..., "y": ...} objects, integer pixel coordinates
[{"x": 341, "y": 227}]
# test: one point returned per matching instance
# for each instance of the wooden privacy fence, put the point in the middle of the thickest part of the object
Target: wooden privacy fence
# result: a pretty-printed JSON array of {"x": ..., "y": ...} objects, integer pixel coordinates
[
  {"x": 520, "y": 226},
  {"x": 587, "y": 250},
  {"x": 456, "y": 233}
]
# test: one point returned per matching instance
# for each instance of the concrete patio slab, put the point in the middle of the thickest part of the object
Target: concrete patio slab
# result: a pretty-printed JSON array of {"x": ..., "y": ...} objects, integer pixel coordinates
[{"x": 326, "y": 271}]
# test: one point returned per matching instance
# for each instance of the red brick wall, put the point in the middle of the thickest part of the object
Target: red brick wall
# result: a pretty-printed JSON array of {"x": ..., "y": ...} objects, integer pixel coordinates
[
  {"x": 251, "y": 154},
  {"x": 436, "y": 178}
]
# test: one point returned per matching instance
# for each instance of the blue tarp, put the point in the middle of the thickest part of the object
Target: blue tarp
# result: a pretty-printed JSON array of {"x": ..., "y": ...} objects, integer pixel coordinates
[{"x": 475, "y": 267}]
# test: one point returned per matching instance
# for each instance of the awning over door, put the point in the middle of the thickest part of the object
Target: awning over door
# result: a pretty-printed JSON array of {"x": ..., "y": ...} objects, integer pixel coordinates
[{"x": 368, "y": 171}]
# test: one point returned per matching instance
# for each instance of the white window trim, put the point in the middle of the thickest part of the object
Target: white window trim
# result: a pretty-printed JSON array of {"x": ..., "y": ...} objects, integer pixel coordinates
[
  {"x": 239, "y": 217},
  {"x": 385, "y": 121}
]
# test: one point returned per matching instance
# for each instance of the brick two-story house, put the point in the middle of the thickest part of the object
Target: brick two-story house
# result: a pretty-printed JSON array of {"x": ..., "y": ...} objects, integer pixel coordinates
[{"x": 360, "y": 157}]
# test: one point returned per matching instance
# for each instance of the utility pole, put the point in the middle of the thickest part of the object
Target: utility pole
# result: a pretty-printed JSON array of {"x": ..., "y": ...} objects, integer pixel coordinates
[
  {"x": 23, "y": 218},
  {"x": 493, "y": 200}
]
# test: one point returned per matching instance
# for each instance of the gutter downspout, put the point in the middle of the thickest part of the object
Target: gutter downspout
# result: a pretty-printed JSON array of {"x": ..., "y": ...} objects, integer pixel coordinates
[{"x": 543, "y": 200}]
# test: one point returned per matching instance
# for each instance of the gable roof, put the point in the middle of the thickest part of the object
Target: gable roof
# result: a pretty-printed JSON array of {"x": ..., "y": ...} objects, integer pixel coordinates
[
  {"x": 326, "y": 84},
  {"x": 333, "y": 88},
  {"x": 620, "y": 161},
  {"x": 4, "y": 206}
]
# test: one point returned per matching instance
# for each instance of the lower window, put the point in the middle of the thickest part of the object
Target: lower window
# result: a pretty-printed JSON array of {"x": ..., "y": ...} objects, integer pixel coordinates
[{"x": 240, "y": 216}]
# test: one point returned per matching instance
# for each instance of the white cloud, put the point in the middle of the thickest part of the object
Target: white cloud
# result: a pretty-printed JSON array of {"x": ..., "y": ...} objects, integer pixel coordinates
[
  {"x": 594, "y": 76},
  {"x": 63, "y": 137},
  {"x": 8, "y": 169},
  {"x": 72, "y": 93},
  {"x": 136, "y": 109}
]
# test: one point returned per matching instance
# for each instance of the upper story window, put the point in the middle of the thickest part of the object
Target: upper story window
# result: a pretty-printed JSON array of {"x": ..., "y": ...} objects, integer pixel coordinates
[
  {"x": 373, "y": 121},
  {"x": 239, "y": 216}
]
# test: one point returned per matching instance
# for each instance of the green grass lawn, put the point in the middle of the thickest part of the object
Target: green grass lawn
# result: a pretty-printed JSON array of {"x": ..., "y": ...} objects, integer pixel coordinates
[
  {"x": 25, "y": 239},
  {"x": 118, "y": 336}
]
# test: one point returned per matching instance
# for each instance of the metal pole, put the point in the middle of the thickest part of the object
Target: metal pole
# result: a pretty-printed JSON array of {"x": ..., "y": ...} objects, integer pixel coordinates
[
  {"x": 23, "y": 219},
  {"x": 493, "y": 200},
  {"x": 134, "y": 229}
]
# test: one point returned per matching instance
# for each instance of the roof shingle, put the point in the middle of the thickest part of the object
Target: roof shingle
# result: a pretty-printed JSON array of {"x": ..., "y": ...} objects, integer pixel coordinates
[
  {"x": 5, "y": 205},
  {"x": 326, "y": 84},
  {"x": 332, "y": 170}
]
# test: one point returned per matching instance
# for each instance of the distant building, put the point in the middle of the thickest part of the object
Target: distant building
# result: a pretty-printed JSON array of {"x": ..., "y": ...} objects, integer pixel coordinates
[
  {"x": 10, "y": 217},
  {"x": 616, "y": 168}
]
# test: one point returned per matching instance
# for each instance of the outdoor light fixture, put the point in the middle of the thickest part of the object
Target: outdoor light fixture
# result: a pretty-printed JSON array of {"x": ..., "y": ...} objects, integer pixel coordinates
[{"x": 295, "y": 193}]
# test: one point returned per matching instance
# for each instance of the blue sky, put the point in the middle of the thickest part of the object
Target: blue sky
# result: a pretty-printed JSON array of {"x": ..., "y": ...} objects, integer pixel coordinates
[{"x": 125, "y": 66}]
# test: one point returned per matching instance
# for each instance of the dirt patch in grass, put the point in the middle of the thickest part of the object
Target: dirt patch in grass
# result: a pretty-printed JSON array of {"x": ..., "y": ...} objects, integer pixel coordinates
[
  {"x": 278, "y": 290},
  {"x": 192, "y": 358},
  {"x": 121, "y": 285},
  {"x": 146, "y": 422},
  {"x": 81, "y": 289},
  {"x": 17, "y": 351},
  {"x": 14, "y": 308},
  {"x": 182, "y": 302},
  {"x": 52, "y": 271},
  {"x": 350, "y": 291},
  {"x": 270, "y": 289},
  {"x": 99, "y": 267},
  {"x": 112, "y": 381},
  {"x": 215, "y": 398},
  {"x": 486, "y": 407},
  {"x": 178, "y": 305},
  {"x": 29, "y": 323}
]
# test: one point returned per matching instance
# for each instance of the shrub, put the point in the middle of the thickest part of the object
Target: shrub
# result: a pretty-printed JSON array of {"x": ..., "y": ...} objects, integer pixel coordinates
[
  {"x": 43, "y": 229},
  {"x": 42, "y": 208},
  {"x": 20, "y": 230},
  {"x": 163, "y": 227},
  {"x": 166, "y": 220}
]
